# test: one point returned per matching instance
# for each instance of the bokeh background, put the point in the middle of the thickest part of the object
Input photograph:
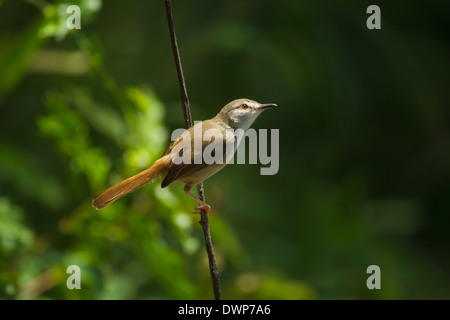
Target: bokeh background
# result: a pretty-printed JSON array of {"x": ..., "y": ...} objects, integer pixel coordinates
[{"x": 364, "y": 174}]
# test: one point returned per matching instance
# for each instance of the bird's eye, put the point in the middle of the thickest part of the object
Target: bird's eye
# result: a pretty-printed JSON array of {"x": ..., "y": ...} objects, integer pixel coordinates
[{"x": 244, "y": 106}]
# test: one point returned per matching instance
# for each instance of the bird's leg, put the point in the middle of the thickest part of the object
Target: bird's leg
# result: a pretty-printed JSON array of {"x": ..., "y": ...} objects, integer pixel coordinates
[{"x": 202, "y": 206}]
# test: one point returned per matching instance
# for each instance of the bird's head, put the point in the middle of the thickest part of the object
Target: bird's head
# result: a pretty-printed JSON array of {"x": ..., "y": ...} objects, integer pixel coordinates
[{"x": 240, "y": 113}]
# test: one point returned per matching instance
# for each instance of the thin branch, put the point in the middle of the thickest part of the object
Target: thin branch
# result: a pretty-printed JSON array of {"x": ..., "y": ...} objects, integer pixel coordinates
[{"x": 188, "y": 119}]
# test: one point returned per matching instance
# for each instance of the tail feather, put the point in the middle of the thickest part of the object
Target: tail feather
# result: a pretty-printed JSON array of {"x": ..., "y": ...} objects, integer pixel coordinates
[{"x": 126, "y": 186}]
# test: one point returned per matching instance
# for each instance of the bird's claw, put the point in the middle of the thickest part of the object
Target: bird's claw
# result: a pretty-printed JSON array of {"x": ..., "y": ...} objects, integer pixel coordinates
[{"x": 198, "y": 209}]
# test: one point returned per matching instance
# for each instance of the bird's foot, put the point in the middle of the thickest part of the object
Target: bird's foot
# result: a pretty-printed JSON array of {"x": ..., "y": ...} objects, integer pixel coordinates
[{"x": 199, "y": 208}]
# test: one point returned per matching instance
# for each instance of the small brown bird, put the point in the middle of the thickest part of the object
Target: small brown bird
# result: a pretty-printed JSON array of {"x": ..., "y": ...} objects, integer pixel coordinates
[{"x": 238, "y": 114}]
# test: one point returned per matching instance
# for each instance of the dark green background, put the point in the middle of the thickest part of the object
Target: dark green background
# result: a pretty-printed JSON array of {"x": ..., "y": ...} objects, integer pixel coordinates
[{"x": 364, "y": 173}]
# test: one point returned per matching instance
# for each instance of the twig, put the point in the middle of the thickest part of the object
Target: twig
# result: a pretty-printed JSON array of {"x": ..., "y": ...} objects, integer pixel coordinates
[{"x": 188, "y": 119}]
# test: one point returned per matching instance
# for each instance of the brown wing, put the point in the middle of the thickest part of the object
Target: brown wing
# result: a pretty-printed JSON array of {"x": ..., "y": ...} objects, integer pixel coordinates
[
  {"x": 172, "y": 144},
  {"x": 176, "y": 171}
]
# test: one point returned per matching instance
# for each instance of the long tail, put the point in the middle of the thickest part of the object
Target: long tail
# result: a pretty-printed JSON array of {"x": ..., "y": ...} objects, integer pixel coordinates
[{"x": 126, "y": 186}]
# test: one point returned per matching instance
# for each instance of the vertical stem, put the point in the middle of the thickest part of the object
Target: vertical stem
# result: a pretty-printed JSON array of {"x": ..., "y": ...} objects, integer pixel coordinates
[
  {"x": 188, "y": 119},
  {"x": 209, "y": 247}
]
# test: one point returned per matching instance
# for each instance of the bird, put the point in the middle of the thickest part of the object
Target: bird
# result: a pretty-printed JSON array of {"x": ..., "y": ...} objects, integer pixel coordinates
[{"x": 239, "y": 114}]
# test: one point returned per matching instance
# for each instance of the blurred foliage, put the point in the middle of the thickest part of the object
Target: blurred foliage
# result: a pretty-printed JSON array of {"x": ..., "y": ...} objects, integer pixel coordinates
[{"x": 364, "y": 149}]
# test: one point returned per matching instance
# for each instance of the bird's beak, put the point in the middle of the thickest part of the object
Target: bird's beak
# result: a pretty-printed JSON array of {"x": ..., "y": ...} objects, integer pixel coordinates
[{"x": 267, "y": 106}]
